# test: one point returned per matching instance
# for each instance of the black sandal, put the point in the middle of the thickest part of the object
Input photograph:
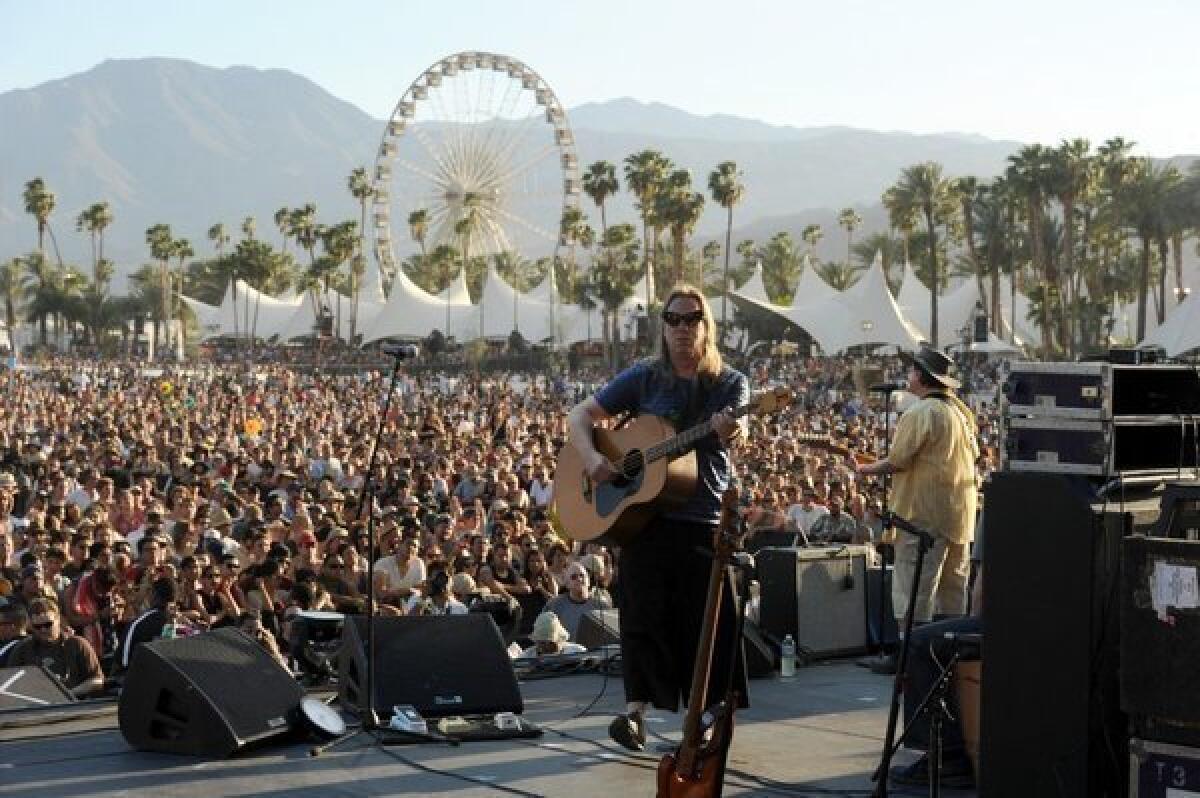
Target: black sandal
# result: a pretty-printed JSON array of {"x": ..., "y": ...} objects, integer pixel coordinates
[{"x": 628, "y": 731}]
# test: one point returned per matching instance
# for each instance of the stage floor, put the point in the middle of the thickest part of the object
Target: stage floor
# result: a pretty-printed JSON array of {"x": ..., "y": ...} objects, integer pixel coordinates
[{"x": 818, "y": 734}]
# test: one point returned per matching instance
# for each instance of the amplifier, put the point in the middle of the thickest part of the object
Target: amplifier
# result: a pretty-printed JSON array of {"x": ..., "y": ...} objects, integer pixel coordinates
[
  {"x": 1101, "y": 448},
  {"x": 1101, "y": 390},
  {"x": 817, "y": 595},
  {"x": 1162, "y": 770},
  {"x": 1160, "y": 637}
]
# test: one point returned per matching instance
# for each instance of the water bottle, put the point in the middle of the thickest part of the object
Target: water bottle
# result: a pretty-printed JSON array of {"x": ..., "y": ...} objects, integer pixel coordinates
[
  {"x": 168, "y": 631},
  {"x": 787, "y": 659}
]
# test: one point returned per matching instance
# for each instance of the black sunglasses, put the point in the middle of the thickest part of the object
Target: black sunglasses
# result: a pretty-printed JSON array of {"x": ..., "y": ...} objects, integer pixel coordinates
[
  {"x": 675, "y": 319},
  {"x": 44, "y": 625}
]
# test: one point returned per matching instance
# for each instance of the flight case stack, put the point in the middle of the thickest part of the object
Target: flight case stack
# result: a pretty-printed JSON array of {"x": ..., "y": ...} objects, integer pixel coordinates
[{"x": 1102, "y": 420}]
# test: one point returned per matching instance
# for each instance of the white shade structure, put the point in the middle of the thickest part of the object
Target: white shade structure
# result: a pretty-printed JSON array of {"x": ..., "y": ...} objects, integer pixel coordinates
[
  {"x": 410, "y": 312},
  {"x": 245, "y": 311},
  {"x": 1180, "y": 332},
  {"x": 866, "y": 314},
  {"x": 754, "y": 288},
  {"x": 913, "y": 299},
  {"x": 504, "y": 309},
  {"x": 811, "y": 289}
]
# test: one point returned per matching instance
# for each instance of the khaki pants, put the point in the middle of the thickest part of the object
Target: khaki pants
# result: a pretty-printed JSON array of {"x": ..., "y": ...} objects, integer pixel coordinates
[{"x": 944, "y": 574}]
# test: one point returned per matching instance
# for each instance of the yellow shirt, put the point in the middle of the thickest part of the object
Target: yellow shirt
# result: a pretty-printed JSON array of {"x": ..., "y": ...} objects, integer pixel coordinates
[{"x": 934, "y": 454}]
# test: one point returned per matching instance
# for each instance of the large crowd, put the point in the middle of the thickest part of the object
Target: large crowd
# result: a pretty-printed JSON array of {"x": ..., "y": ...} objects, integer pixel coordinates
[{"x": 139, "y": 503}]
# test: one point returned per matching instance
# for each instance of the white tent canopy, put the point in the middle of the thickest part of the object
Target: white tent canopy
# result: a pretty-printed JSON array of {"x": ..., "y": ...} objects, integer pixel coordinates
[
  {"x": 245, "y": 311},
  {"x": 504, "y": 309},
  {"x": 754, "y": 288},
  {"x": 865, "y": 314},
  {"x": 411, "y": 312},
  {"x": 811, "y": 289},
  {"x": 1180, "y": 332},
  {"x": 913, "y": 299}
]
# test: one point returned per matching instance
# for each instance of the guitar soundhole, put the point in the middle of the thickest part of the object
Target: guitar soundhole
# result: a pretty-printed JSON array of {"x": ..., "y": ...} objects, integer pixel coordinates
[{"x": 631, "y": 466}]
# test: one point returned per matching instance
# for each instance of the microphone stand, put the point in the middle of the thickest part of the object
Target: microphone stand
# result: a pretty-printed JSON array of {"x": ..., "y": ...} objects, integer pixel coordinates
[
  {"x": 925, "y": 542},
  {"x": 369, "y": 720},
  {"x": 881, "y": 613}
]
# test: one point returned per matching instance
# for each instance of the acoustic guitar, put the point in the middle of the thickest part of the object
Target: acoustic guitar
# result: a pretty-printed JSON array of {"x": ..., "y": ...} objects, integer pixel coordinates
[
  {"x": 656, "y": 469},
  {"x": 696, "y": 769}
]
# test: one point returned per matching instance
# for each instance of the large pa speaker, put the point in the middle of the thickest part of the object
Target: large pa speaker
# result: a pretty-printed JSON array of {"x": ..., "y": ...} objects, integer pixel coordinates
[
  {"x": 26, "y": 687},
  {"x": 1051, "y": 724},
  {"x": 212, "y": 694},
  {"x": 442, "y": 665},
  {"x": 599, "y": 628},
  {"x": 816, "y": 595}
]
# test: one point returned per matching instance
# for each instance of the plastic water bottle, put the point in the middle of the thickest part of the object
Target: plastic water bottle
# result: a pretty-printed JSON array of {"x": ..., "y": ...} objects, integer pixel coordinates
[
  {"x": 787, "y": 659},
  {"x": 168, "y": 631}
]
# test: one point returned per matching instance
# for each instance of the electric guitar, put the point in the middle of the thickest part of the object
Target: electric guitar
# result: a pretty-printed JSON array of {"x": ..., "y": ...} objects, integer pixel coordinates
[
  {"x": 697, "y": 767},
  {"x": 819, "y": 441},
  {"x": 656, "y": 468}
]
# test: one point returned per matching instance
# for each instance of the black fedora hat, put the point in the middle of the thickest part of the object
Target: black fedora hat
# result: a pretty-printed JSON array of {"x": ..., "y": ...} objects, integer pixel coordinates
[{"x": 936, "y": 365}]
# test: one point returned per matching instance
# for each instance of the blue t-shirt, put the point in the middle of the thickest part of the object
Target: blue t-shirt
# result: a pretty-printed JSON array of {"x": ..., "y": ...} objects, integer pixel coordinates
[{"x": 645, "y": 390}]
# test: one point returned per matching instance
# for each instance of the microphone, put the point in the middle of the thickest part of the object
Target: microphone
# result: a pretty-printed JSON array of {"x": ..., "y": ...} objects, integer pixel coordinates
[
  {"x": 888, "y": 387},
  {"x": 400, "y": 351}
]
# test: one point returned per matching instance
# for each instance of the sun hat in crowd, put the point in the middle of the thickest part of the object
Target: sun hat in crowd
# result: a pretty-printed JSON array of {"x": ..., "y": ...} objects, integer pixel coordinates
[
  {"x": 462, "y": 584},
  {"x": 549, "y": 629},
  {"x": 7, "y": 480}
]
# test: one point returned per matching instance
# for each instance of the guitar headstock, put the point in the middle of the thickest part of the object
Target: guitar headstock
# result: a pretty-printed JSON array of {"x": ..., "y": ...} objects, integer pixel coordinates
[
  {"x": 772, "y": 401},
  {"x": 729, "y": 530}
]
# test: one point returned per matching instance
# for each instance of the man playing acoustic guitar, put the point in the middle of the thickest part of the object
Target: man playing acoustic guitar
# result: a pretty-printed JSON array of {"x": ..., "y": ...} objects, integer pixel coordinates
[{"x": 664, "y": 571}]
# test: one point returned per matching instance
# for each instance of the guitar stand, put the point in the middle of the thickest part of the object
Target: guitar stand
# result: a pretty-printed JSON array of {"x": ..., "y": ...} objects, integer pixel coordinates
[{"x": 925, "y": 542}]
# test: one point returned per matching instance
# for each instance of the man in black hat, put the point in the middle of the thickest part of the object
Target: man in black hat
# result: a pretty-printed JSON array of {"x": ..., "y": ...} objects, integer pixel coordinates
[{"x": 933, "y": 457}]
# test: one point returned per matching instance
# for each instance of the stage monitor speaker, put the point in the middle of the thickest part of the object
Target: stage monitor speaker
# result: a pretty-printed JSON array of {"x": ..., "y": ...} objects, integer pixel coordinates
[
  {"x": 599, "y": 628},
  {"x": 212, "y": 694},
  {"x": 1051, "y": 724},
  {"x": 442, "y": 665},
  {"x": 27, "y": 687},
  {"x": 817, "y": 595}
]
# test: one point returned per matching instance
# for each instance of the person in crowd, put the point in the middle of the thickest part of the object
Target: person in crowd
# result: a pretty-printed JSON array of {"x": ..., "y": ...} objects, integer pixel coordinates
[
  {"x": 550, "y": 638},
  {"x": 570, "y": 607},
  {"x": 154, "y": 622},
  {"x": 250, "y": 624},
  {"x": 14, "y": 627},
  {"x": 834, "y": 526},
  {"x": 68, "y": 656}
]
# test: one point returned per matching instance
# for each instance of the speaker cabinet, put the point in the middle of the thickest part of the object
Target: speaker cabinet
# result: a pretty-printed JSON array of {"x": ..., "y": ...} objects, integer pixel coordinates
[
  {"x": 817, "y": 595},
  {"x": 1051, "y": 724},
  {"x": 442, "y": 665},
  {"x": 599, "y": 628},
  {"x": 26, "y": 687},
  {"x": 212, "y": 694}
]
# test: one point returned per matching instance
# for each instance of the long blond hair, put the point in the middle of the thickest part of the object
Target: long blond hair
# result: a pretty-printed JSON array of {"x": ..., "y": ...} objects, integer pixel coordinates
[{"x": 710, "y": 365}]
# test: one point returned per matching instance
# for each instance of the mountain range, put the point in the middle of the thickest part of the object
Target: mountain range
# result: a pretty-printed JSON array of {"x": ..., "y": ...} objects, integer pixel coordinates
[{"x": 173, "y": 141}]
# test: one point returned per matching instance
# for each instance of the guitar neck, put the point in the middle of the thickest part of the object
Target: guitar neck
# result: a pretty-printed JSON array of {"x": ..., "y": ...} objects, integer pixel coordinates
[{"x": 680, "y": 443}]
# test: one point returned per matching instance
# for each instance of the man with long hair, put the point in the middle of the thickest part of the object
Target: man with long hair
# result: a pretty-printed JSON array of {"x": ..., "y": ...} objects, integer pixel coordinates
[{"x": 664, "y": 572}]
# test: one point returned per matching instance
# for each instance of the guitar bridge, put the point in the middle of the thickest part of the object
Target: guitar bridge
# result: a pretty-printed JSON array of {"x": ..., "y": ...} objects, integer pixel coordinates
[{"x": 587, "y": 489}]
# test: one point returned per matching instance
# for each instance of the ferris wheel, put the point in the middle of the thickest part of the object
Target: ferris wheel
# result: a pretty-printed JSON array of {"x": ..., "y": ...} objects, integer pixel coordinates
[{"x": 482, "y": 146}]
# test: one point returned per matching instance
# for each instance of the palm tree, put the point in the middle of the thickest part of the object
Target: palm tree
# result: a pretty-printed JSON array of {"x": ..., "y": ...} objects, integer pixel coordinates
[
  {"x": 10, "y": 290},
  {"x": 340, "y": 242},
  {"x": 645, "y": 171},
  {"x": 361, "y": 189},
  {"x": 922, "y": 189},
  {"x": 95, "y": 219},
  {"x": 725, "y": 185},
  {"x": 162, "y": 247},
  {"x": 600, "y": 183},
  {"x": 182, "y": 248},
  {"x": 37, "y": 285},
  {"x": 1141, "y": 203},
  {"x": 249, "y": 228},
  {"x": 839, "y": 276},
  {"x": 219, "y": 237},
  {"x": 966, "y": 190},
  {"x": 781, "y": 267},
  {"x": 613, "y": 278},
  {"x": 812, "y": 235},
  {"x": 1029, "y": 175},
  {"x": 468, "y": 226},
  {"x": 850, "y": 220},
  {"x": 1072, "y": 175},
  {"x": 283, "y": 222},
  {"x": 679, "y": 208},
  {"x": 303, "y": 223},
  {"x": 39, "y": 203},
  {"x": 570, "y": 227}
]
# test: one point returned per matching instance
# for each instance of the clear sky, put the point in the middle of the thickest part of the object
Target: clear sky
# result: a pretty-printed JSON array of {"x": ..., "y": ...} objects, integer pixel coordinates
[{"x": 1030, "y": 70}]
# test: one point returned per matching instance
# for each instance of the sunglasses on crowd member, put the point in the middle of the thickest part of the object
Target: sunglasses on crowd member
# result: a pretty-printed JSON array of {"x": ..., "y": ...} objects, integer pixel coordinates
[
  {"x": 43, "y": 625},
  {"x": 673, "y": 319}
]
